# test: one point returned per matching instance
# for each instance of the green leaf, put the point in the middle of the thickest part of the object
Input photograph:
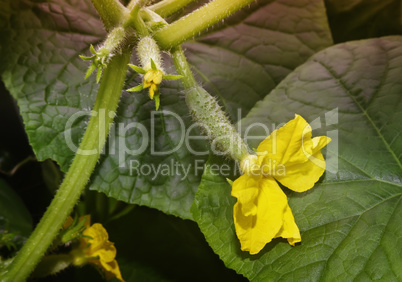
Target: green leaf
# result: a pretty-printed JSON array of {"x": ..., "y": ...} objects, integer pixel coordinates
[
  {"x": 350, "y": 220},
  {"x": 40, "y": 66},
  {"x": 14, "y": 217},
  {"x": 252, "y": 51},
  {"x": 239, "y": 63},
  {"x": 137, "y": 69}
]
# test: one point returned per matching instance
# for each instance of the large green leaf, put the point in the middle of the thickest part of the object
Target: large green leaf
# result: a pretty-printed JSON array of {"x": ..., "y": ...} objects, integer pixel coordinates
[
  {"x": 41, "y": 68},
  {"x": 350, "y": 220}
]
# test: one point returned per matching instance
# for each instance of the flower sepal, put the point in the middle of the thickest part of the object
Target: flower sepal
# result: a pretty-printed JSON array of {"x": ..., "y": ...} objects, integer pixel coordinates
[
  {"x": 137, "y": 69},
  {"x": 99, "y": 60},
  {"x": 101, "y": 57},
  {"x": 73, "y": 228}
]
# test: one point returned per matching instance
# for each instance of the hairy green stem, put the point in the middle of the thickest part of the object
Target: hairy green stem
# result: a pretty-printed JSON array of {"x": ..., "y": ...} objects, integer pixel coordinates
[
  {"x": 135, "y": 19},
  {"x": 208, "y": 114},
  {"x": 148, "y": 15},
  {"x": 79, "y": 172},
  {"x": 190, "y": 25},
  {"x": 112, "y": 13},
  {"x": 140, "y": 3},
  {"x": 166, "y": 8},
  {"x": 183, "y": 68}
]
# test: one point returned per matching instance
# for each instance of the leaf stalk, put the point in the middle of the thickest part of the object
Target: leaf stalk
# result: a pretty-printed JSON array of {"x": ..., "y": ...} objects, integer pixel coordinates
[
  {"x": 199, "y": 20},
  {"x": 169, "y": 7},
  {"x": 112, "y": 13}
]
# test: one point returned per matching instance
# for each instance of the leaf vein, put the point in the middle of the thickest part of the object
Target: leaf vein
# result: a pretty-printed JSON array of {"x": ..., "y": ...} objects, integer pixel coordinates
[
  {"x": 351, "y": 228},
  {"x": 343, "y": 85},
  {"x": 382, "y": 236},
  {"x": 242, "y": 56}
]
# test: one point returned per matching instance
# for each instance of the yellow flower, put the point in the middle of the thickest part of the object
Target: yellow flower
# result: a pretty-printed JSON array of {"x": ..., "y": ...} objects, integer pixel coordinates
[
  {"x": 152, "y": 79},
  {"x": 153, "y": 76},
  {"x": 96, "y": 248},
  {"x": 290, "y": 156}
]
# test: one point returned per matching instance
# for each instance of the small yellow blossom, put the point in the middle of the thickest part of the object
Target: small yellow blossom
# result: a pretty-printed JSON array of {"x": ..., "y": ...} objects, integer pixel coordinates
[
  {"x": 152, "y": 79},
  {"x": 153, "y": 76},
  {"x": 290, "y": 156},
  {"x": 96, "y": 248}
]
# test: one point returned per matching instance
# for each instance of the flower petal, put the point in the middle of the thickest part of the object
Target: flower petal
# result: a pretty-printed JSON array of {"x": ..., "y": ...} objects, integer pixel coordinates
[
  {"x": 245, "y": 189},
  {"x": 289, "y": 229},
  {"x": 152, "y": 90},
  {"x": 107, "y": 253},
  {"x": 148, "y": 76},
  {"x": 97, "y": 232},
  {"x": 146, "y": 84},
  {"x": 303, "y": 176},
  {"x": 319, "y": 143},
  {"x": 99, "y": 244},
  {"x": 112, "y": 270},
  {"x": 158, "y": 76},
  {"x": 97, "y": 249},
  {"x": 255, "y": 231},
  {"x": 287, "y": 144}
]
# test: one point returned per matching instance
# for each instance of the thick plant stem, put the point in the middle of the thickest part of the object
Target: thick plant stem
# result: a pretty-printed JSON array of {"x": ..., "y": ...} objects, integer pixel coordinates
[
  {"x": 190, "y": 25},
  {"x": 139, "y": 3},
  {"x": 112, "y": 12},
  {"x": 135, "y": 20},
  {"x": 166, "y": 8},
  {"x": 78, "y": 174},
  {"x": 224, "y": 138}
]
